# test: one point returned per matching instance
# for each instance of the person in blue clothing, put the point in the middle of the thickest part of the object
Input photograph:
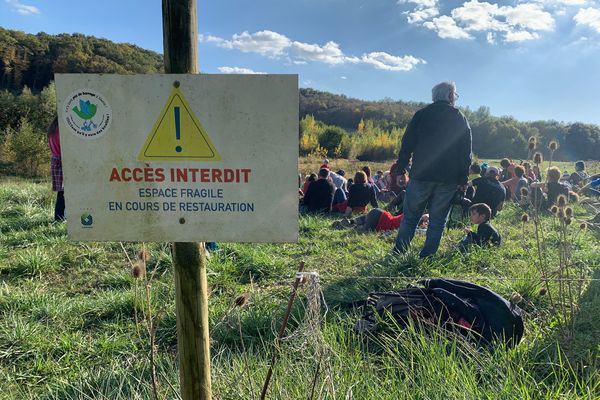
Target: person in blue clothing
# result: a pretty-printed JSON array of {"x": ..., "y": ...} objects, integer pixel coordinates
[{"x": 438, "y": 139}]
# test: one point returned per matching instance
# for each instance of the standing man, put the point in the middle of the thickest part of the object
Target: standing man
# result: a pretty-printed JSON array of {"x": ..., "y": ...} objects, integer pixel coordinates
[{"x": 439, "y": 140}]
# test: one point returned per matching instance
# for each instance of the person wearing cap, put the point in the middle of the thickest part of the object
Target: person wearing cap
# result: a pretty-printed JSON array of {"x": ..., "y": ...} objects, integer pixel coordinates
[
  {"x": 438, "y": 139},
  {"x": 489, "y": 190},
  {"x": 577, "y": 179}
]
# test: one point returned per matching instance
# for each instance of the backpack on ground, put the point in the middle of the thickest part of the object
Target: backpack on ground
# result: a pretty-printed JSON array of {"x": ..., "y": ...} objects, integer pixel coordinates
[{"x": 462, "y": 307}]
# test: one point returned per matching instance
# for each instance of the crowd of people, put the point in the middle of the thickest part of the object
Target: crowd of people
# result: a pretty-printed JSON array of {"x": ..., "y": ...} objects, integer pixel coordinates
[{"x": 434, "y": 172}]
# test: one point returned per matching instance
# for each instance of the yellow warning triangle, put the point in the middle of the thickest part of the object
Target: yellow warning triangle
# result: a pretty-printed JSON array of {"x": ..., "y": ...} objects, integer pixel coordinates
[{"x": 178, "y": 135}]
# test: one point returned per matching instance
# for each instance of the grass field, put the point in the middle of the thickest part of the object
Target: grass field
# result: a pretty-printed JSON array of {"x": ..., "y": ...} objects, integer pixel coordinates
[{"x": 72, "y": 316}]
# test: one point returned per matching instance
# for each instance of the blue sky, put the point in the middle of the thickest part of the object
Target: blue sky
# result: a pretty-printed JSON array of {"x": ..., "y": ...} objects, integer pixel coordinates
[{"x": 532, "y": 59}]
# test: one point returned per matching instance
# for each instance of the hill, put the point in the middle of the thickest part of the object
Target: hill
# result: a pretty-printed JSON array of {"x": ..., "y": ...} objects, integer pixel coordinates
[
  {"x": 346, "y": 112},
  {"x": 28, "y": 63},
  {"x": 31, "y": 60}
]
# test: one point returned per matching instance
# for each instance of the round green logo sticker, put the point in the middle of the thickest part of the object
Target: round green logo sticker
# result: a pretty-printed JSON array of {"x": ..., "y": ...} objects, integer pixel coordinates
[{"x": 87, "y": 113}]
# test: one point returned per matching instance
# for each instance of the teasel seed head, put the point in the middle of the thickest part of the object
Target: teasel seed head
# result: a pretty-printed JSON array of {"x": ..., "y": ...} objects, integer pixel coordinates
[
  {"x": 242, "y": 299},
  {"x": 538, "y": 158},
  {"x": 569, "y": 212},
  {"x": 568, "y": 221},
  {"x": 583, "y": 226},
  {"x": 144, "y": 255},
  {"x": 554, "y": 210},
  {"x": 139, "y": 270},
  {"x": 561, "y": 201},
  {"x": 553, "y": 145},
  {"x": 573, "y": 197},
  {"x": 524, "y": 192},
  {"x": 515, "y": 298},
  {"x": 531, "y": 145},
  {"x": 543, "y": 291},
  {"x": 525, "y": 217},
  {"x": 532, "y": 139}
]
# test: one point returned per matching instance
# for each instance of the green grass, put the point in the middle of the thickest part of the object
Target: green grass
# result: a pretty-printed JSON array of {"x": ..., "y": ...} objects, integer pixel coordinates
[{"x": 70, "y": 316}]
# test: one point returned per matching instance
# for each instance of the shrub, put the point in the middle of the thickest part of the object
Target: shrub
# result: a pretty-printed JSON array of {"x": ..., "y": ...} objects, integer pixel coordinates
[
  {"x": 336, "y": 141},
  {"x": 27, "y": 149},
  {"x": 377, "y": 145}
]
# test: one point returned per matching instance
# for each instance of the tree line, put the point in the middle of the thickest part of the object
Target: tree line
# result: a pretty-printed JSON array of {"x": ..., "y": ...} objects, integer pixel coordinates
[
  {"x": 493, "y": 137},
  {"x": 331, "y": 125}
]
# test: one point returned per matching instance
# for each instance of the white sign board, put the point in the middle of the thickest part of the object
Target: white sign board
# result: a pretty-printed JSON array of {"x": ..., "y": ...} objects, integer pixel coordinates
[{"x": 180, "y": 157}]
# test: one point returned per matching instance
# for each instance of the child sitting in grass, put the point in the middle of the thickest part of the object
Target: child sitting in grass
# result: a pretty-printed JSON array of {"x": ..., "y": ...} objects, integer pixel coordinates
[{"x": 480, "y": 214}]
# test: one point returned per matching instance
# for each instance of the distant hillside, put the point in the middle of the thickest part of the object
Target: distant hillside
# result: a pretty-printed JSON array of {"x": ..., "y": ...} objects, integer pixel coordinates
[
  {"x": 31, "y": 60},
  {"x": 347, "y": 112}
]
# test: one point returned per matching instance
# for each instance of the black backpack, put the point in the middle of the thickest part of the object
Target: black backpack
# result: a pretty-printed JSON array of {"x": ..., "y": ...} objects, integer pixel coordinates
[{"x": 471, "y": 310}]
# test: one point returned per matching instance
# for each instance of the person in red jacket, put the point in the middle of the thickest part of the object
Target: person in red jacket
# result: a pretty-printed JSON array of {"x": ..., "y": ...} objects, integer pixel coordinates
[{"x": 378, "y": 220}]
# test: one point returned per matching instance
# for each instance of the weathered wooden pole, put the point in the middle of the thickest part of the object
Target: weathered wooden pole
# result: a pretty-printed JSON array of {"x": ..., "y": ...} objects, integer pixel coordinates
[{"x": 180, "y": 41}]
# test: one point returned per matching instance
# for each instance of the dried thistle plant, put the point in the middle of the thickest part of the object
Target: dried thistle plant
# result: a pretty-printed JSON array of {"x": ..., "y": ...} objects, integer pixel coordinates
[
  {"x": 138, "y": 271},
  {"x": 561, "y": 201}
]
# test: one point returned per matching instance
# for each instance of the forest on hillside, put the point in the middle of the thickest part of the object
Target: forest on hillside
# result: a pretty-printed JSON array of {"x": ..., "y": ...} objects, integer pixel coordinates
[
  {"x": 31, "y": 60},
  {"x": 330, "y": 124}
]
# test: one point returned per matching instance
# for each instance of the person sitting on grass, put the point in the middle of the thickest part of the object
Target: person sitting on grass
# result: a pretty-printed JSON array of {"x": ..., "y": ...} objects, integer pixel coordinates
[
  {"x": 489, "y": 191},
  {"x": 508, "y": 169},
  {"x": 486, "y": 234},
  {"x": 377, "y": 220},
  {"x": 552, "y": 188},
  {"x": 577, "y": 179},
  {"x": 529, "y": 174},
  {"x": 309, "y": 179},
  {"x": 360, "y": 194},
  {"x": 319, "y": 196},
  {"x": 515, "y": 183}
]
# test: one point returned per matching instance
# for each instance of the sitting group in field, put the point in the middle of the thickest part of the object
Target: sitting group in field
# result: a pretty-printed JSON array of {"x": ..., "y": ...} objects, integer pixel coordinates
[
  {"x": 433, "y": 174},
  {"x": 484, "y": 197}
]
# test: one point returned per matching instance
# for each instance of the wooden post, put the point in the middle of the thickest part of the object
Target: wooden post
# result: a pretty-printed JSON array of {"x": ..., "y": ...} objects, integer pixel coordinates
[{"x": 180, "y": 41}]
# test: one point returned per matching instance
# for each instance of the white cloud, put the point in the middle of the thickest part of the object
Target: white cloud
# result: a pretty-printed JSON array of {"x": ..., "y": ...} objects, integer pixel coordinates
[
  {"x": 23, "y": 9},
  {"x": 520, "y": 36},
  {"x": 266, "y": 43},
  {"x": 423, "y": 10},
  {"x": 562, "y": 2},
  {"x": 343, "y": 77},
  {"x": 446, "y": 28},
  {"x": 588, "y": 17},
  {"x": 528, "y": 16},
  {"x": 275, "y": 45},
  {"x": 476, "y": 16},
  {"x": 330, "y": 53},
  {"x": 516, "y": 23},
  {"x": 385, "y": 61},
  {"x": 239, "y": 70}
]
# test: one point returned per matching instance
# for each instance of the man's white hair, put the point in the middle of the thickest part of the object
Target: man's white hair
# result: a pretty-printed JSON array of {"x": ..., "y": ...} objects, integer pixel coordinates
[{"x": 442, "y": 91}]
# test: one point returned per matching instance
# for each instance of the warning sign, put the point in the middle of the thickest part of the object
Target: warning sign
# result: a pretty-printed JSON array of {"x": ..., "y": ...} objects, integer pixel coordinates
[
  {"x": 185, "y": 158},
  {"x": 178, "y": 135}
]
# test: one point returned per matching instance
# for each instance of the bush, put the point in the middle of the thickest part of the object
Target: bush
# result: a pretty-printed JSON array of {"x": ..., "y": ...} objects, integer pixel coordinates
[
  {"x": 26, "y": 149},
  {"x": 336, "y": 141},
  {"x": 377, "y": 145}
]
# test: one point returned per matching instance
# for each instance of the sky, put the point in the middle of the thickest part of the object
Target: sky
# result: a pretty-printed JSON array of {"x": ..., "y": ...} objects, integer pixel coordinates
[{"x": 531, "y": 59}]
